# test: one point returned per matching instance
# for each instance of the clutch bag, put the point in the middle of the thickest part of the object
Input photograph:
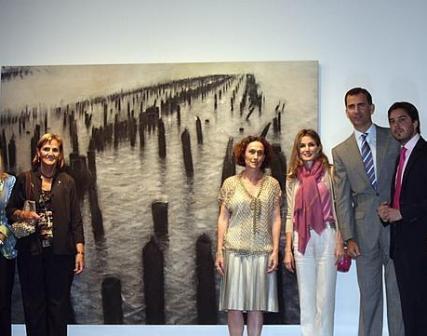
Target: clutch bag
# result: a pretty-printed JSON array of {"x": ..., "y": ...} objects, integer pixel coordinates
[
  {"x": 22, "y": 229},
  {"x": 344, "y": 263}
]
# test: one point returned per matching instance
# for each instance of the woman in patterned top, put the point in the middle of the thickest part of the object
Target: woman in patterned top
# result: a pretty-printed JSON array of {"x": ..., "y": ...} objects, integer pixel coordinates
[
  {"x": 312, "y": 231},
  {"x": 49, "y": 257},
  {"x": 7, "y": 253},
  {"x": 248, "y": 238}
]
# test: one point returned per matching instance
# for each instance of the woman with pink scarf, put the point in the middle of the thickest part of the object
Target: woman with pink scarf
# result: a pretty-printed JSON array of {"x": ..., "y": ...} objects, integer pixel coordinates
[{"x": 313, "y": 241}]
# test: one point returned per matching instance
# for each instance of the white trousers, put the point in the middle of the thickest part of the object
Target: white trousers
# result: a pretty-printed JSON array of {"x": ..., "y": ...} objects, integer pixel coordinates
[{"x": 316, "y": 276}]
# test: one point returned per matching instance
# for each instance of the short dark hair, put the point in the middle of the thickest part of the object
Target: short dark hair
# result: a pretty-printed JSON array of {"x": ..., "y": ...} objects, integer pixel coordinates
[
  {"x": 410, "y": 109},
  {"x": 240, "y": 148},
  {"x": 358, "y": 90}
]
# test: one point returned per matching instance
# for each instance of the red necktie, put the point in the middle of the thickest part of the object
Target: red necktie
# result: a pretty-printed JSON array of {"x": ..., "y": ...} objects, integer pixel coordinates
[{"x": 398, "y": 181}]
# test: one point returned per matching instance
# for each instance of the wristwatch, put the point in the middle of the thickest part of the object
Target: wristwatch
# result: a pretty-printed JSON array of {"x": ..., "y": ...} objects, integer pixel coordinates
[{"x": 346, "y": 242}]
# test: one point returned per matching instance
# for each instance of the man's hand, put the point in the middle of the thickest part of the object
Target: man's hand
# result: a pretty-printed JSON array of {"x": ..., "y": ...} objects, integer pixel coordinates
[
  {"x": 353, "y": 249},
  {"x": 389, "y": 214}
]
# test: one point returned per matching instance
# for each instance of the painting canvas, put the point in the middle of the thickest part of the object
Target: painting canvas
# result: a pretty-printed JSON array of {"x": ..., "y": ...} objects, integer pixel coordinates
[{"x": 149, "y": 145}]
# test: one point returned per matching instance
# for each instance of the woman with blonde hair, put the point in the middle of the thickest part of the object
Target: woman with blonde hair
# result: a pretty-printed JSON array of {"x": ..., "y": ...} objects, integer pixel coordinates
[
  {"x": 313, "y": 239},
  {"x": 49, "y": 257},
  {"x": 7, "y": 253}
]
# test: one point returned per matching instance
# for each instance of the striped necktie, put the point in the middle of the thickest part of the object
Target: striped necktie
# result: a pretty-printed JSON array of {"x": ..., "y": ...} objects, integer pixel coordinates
[{"x": 368, "y": 161}]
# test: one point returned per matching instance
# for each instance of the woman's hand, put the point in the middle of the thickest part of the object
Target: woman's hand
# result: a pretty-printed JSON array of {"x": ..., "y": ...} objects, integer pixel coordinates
[
  {"x": 79, "y": 263},
  {"x": 339, "y": 250},
  {"x": 29, "y": 216},
  {"x": 219, "y": 263},
  {"x": 273, "y": 262},
  {"x": 289, "y": 261}
]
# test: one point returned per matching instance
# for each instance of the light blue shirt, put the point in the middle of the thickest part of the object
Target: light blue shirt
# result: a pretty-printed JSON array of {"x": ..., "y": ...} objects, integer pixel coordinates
[{"x": 7, "y": 249}]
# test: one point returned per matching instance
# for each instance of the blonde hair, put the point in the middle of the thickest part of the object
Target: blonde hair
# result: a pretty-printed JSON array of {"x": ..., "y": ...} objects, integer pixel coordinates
[
  {"x": 47, "y": 138},
  {"x": 296, "y": 162}
]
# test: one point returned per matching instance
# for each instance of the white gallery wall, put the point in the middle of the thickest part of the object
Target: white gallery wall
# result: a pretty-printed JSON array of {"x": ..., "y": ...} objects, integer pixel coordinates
[{"x": 380, "y": 45}]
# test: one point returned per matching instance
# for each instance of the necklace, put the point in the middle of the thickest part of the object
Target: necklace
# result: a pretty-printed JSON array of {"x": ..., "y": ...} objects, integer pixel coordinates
[
  {"x": 255, "y": 203},
  {"x": 45, "y": 174}
]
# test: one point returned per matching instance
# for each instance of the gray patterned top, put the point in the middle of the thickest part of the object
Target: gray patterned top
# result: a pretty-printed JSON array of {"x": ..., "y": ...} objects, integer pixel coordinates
[{"x": 251, "y": 216}]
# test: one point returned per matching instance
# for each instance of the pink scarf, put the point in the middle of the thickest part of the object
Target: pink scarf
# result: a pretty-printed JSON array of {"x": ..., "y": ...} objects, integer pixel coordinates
[{"x": 308, "y": 208}]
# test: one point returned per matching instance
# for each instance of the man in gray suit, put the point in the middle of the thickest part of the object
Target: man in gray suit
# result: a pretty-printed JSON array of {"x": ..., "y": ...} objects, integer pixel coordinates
[{"x": 364, "y": 165}]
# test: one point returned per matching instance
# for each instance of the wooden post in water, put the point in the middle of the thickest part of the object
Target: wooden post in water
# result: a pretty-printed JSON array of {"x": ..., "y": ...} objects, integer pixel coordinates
[
  {"x": 186, "y": 150},
  {"x": 251, "y": 110},
  {"x": 161, "y": 138},
  {"x": 33, "y": 145},
  {"x": 116, "y": 130},
  {"x": 112, "y": 300},
  {"x": 159, "y": 211},
  {"x": 91, "y": 162},
  {"x": 154, "y": 292},
  {"x": 132, "y": 130},
  {"x": 207, "y": 310},
  {"x": 45, "y": 123},
  {"x": 229, "y": 163},
  {"x": 37, "y": 132},
  {"x": 275, "y": 125},
  {"x": 97, "y": 220},
  {"x": 12, "y": 154},
  {"x": 178, "y": 115},
  {"x": 74, "y": 136},
  {"x": 105, "y": 114},
  {"x": 265, "y": 130},
  {"x": 278, "y": 165},
  {"x": 199, "y": 131}
]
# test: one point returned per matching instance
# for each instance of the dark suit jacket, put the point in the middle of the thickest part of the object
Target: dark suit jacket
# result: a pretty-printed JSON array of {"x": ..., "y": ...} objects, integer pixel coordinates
[
  {"x": 67, "y": 221},
  {"x": 409, "y": 235}
]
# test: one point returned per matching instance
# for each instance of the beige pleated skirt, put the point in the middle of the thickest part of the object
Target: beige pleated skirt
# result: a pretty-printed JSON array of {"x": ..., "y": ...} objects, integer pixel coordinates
[{"x": 246, "y": 285}]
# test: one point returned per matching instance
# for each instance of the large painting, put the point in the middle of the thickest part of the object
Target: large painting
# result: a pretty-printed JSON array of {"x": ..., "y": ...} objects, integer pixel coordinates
[{"x": 149, "y": 145}]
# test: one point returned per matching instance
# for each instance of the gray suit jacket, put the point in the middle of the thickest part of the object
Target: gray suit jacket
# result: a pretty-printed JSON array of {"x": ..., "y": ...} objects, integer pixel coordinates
[{"x": 356, "y": 200}]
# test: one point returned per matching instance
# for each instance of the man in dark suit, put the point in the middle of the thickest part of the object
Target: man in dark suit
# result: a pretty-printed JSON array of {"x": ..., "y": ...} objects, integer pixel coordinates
[
  {"x": 407, "y": 216},
  {"x": 363, "y": 172}
]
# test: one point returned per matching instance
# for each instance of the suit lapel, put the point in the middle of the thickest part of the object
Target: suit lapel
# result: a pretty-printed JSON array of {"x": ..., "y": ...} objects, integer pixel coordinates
[
  {"x": 381, "y": 150},
  {"x": 415, "y": 154}
]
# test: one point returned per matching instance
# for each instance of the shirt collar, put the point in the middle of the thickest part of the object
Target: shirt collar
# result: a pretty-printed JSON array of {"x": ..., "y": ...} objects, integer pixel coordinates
[
  {"x": 371, "y": 131},
  {"x": 411, "y": 143}
]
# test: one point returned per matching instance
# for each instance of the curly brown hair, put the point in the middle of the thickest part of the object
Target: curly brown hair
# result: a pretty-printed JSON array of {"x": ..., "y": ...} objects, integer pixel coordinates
[{"x": 240, "y": 148}]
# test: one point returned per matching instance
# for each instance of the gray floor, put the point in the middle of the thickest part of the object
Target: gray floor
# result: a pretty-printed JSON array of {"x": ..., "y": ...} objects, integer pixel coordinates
[{"x": 346, "y": 320}]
